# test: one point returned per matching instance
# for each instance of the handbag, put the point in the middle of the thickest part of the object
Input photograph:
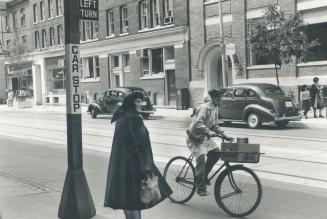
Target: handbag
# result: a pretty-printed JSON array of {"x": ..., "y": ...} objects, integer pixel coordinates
[{"x": 150, "y": 191}]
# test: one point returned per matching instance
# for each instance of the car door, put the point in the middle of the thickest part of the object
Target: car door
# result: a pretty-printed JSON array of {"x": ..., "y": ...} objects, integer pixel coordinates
[
  {"x": 225, "y": 104},
  {"x": 251, "y": 97},
  {"x": 110, "y": 101},
  {"x": 238, "y": 104}
]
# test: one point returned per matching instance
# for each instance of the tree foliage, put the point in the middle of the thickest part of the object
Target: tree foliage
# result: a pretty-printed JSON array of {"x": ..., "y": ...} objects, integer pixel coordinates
[{"x": 280, "y": 37}]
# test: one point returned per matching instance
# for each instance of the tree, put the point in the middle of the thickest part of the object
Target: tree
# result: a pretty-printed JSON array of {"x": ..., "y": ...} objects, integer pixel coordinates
[{"x": 280, "y": 38}]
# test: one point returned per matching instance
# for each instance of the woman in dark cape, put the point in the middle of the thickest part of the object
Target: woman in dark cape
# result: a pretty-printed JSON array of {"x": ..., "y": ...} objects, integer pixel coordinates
[{"x": 131, "y": 160}]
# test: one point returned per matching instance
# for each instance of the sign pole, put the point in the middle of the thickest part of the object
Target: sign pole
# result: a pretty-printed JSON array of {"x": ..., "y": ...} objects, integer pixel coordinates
[
  {"x": 222, "y": 40},
  {"x": 76, "y": 200}
]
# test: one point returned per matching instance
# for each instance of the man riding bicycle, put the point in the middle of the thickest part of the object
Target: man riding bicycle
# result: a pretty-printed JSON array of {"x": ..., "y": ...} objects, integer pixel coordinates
[{"x": 203, "y": 127}]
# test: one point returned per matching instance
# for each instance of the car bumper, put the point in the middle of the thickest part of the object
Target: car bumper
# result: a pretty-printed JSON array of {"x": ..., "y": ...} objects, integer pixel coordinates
[
  {"x": 147, "y": 111},
  {"x": 288, "y": 118}
]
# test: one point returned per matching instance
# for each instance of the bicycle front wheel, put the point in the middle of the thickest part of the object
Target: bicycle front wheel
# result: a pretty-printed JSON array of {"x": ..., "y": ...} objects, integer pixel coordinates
[
  {"x": 179, "y": 174},
  {"x": 238, "y": 191}
]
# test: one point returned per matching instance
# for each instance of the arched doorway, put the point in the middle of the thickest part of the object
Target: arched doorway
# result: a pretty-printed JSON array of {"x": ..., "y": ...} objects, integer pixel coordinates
[{"x": 213, "y": 69}]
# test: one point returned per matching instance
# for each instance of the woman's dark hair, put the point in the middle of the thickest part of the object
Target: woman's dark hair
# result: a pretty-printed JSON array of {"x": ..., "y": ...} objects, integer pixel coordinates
[
  {"x": 304, "y": 87},
  {"x": 128, "y": 106}
]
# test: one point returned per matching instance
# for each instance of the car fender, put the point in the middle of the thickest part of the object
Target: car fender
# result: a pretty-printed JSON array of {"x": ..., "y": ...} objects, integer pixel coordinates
[
  {"x": 264, "y": 113},
  {"x": 92, "y": 105}
]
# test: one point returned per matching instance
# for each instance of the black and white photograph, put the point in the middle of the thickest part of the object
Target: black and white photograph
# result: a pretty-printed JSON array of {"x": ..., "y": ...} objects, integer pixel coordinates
[{"x": 163, "y": 109}]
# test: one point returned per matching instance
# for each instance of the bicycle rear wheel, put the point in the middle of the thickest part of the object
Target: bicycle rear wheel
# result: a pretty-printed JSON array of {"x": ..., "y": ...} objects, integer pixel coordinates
[
  {"x": 238, "y": 191},
  {"x": 179, "y": 174}
]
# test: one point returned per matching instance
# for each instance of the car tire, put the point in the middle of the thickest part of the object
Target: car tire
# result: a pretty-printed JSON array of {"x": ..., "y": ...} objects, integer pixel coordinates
[
  {"x": 146, "y": 115},
  {"x": 281, "y": 124},
  {"x": 94, "y": 112},
  {"x": 253, "y": 121}
]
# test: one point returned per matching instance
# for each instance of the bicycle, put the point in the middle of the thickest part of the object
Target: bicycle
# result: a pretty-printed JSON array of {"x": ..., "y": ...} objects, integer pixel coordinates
[{"x": 238, "y": 190}]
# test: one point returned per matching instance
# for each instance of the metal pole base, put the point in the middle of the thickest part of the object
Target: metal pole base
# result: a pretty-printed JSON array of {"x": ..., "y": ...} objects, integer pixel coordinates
[{"x": 76, "y": 200}]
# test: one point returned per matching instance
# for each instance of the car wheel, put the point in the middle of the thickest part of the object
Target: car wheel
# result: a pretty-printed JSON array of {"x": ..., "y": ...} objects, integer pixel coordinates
[
  {"x": 94, "y": 113},
  {"x": 146, "y": 115},
  {"x": 253, "y": 121},
  {"x": 282, "y": 124}
]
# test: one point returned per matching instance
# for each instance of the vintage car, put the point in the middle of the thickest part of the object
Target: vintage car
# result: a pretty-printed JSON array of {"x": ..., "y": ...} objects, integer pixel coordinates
[
  {"x": 257, "y": 103},
  {"x": 112, "y": 98}
]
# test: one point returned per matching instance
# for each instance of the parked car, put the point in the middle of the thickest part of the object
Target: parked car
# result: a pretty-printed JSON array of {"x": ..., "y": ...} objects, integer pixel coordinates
[
  {"x": 112, "y": 98},
  {"x": 257, "y": 103}
]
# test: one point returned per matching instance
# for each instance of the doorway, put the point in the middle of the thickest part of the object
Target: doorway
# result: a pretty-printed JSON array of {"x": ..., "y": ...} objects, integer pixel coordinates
[
  {"x": 171, "y": 87},
  {"x": 214, "y": 69}
]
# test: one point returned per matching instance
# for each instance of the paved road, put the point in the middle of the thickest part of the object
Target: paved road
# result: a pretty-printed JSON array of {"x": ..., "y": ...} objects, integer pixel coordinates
[
  {"x": 297, "y": 154},
  {"x": 32, "y": 175}
]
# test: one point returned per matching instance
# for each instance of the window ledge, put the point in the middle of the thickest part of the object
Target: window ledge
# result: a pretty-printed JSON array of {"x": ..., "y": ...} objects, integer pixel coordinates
[
  {"x": 316, "y": 63},
  {"x": 153, "y": 76},
  {"x": 111, "y": 36},
  {"x": 156, "y": 28},
  {"x": 261, "y": 67},
  {"x": 211, "y": 2},
  {"x": 90, "y": 80},
  {"x": 35, "y": 22},
  {"x": 123, "y": 34},
  {"x": 89, "y": 41},
  {"x": 59, "y": 16},
  {"x": 126, "y": 69},
  {"x": 42, "y": 21},
  {"x": 51, "y": 18}
]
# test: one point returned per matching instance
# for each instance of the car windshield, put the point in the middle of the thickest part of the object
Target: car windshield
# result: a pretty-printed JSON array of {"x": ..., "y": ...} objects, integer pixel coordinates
[
  {"x": 273, "y": 91},
  {"x": 137, "y": 90}
]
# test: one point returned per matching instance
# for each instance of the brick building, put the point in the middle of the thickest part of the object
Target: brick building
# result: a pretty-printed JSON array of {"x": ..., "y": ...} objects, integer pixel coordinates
[
  {"x": 242, "y": 64},
  {"x": 134, "y": 43}
]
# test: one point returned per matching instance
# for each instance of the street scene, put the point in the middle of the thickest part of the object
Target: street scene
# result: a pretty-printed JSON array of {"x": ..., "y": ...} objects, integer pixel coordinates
[{"x": 160, "y": 109}]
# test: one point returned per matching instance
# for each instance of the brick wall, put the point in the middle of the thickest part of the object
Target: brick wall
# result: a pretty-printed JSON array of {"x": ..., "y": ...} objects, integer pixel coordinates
[{"x": 182, "y": 70}]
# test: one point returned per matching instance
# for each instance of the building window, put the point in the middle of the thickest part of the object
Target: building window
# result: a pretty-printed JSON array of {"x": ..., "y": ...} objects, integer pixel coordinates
[
  {"x": 124, "y": 19},
  {"x": 44, "y": 38},
  {"x": 7, "y": 21},
  {"x": 319, "y": 32},
  {"x": 8, "y": 44},
  {"x": 155, "y": 13},
  {"x": 168, "y": 11},
  {"x": 145, "y": 63},
  {"x": 60, "y": 33},
  {"x": 110, "y": 23},
  {"x": 143, "y": 15},
  {"x": 125, "y": 60},
  {"x": 14, "y": 19},
  {"x": 116, "y": 61},
  {"x": 59, "y": 7},
  {"x": 52, "y": 36},
  {"x": 42, "y": 10},
  {"x": 24, "y": 40},
  {"x": 35, "y": 13},
  {"x": 157, "y": 60},
  {"x": 22, "y": 17},
  {"x": 90, "y": 67},
  {"x": 50, "y": 8},
  {"x": 36, "y": 39},
  {"x": 89, "y": 30},
  {"x": 169, "y": 53}
]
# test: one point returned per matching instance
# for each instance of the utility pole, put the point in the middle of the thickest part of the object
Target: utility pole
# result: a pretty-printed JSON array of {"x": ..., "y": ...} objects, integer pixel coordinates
[
  {"x": 76, "y": 200},
  {"x": 222, "y": 44}
]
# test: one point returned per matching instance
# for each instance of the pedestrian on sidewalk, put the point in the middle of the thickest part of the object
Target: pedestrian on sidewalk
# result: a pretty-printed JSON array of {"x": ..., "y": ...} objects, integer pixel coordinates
[
  {"x": 10, "y": 98},
  {"x": 305, "y": 100},
  {"x": 131, "y": 161},
  {"x": 316, "y": 98}
]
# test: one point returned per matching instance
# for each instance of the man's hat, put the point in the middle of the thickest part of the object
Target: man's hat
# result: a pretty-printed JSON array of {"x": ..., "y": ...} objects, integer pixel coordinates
[{"x": 216, "y": 92}]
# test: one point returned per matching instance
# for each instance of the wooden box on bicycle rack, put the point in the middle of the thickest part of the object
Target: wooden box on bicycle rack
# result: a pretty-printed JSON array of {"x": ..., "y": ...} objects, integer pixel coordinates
[{"x": 240, "y": 152}]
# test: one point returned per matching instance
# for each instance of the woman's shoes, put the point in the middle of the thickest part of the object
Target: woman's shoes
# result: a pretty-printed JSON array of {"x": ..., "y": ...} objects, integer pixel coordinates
[{"x": 321, "y": 116}]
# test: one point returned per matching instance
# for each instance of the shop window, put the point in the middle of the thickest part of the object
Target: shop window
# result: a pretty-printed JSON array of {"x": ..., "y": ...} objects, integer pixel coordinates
[
  {"x": 124, "y": 19},
  {"x": 145, "y": 63},
  {"x": 155, "y": 13},
  {"x": 170, "y": 53},
  {"x": 55, "y": 99},
  {"x": 60, "y": 33},
  {"x": 317, "y": 32},
  {"x": 8, "y": 44},
  {"x": 22, "y": 17},
  {"x": 44, "y": 38},
  {"x": 42, "y": 10},
  {"x": 50, "y": 8},
  {"x": 168, "y": 12},
  {"x": 117, "y": 80},
  {"x": 59, "y": 7},
  {"x": 110, "y": 23},
  {"x": 52, "y": 36},
  {"x": 7, "y": 21},
  {"x": 143, "y": 11},
  {"x": 35, "y": 13},
  {"x": 90, "y": 67}
]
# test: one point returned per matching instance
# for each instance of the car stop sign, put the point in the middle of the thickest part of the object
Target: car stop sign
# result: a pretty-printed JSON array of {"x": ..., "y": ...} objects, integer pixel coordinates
[{"x": 89, "y": 10}]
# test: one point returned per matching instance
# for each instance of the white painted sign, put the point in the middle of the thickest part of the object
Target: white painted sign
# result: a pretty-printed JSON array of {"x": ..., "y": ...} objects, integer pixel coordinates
[
  {"x": 230, "y": 49},
  {"x": 74, "y": 102}
]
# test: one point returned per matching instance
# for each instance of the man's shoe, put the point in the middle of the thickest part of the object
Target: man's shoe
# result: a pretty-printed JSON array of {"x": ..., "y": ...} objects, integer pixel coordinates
[
  {"x": 207, "y": 182},
  {"x": 321, "y": 116},
  {"x": 315, "y": 116},
  {"x": 203, "y": 193}
]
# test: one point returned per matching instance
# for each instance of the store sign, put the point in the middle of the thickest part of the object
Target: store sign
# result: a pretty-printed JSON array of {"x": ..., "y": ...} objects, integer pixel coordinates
[
  {"x": 89, "y": 10},
  {"x": 75, "y": 97},
  {"x": 230, "y": 49}
]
